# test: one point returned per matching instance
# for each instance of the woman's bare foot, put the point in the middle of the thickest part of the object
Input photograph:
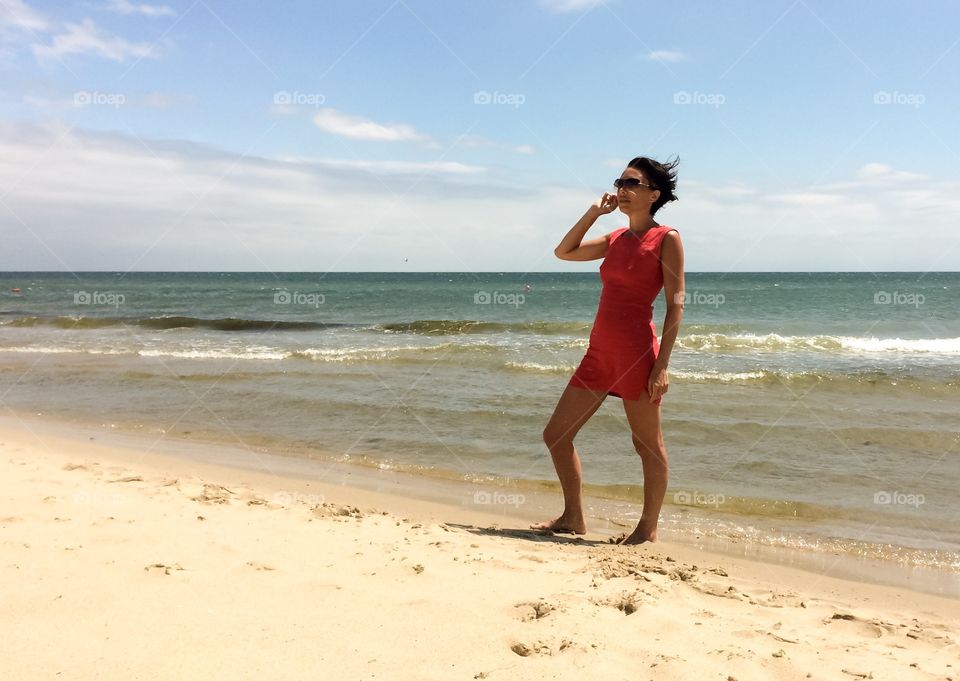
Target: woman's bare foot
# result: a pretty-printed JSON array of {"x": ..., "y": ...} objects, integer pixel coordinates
[
  {"x": 563, "y": 524},
  {"x": 644, "y": 533}
]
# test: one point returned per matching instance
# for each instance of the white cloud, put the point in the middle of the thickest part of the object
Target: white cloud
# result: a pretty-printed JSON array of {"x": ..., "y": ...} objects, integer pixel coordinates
[
  {"x": 667, "y": 55},
  {"x": 569, "y": 5},
  {"x": 259, "y": 213},
  {"x": 851, "y": 225},
  {"x": 86, "y": 98},
  {"x": 125, "y": 208},
  {"x": 355, "y": 127},
  {"x": 18, "y": 23},
  {"x": 127, "y": 7},
  {"x": 15, "y": 15},
  {"x": 397, "y": 167},
  {"x": 880, "y": 171},
  {"x": 86, "y": 37},
  {"x": 524, "y": 149}
]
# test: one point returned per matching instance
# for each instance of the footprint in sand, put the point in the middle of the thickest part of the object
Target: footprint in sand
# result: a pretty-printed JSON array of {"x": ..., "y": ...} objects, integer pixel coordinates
[
  {"x": 781, "y": 600},
  {"x": 326, "y": 510},
  {"x": 627, "y": 602},
  {"x": 541, "y": 647},
  {"x": 865, "y": 628},
  {"x": 618, "y": 566},
  {"x": 917, "y": 632},
  {"x": 534, "y": 610},
  {"x": 214, "y": 494}
]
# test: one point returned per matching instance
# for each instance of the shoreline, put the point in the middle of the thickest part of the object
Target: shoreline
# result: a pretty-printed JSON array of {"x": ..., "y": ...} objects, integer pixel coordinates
[{"x": 303, "y": 479}]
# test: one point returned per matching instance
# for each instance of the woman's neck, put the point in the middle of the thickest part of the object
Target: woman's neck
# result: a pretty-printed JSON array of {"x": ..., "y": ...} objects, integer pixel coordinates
[{"x": 641, "y": 223}]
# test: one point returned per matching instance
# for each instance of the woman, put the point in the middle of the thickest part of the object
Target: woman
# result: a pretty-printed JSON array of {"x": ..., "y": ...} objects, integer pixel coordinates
[{"x": 624, "y": 358}]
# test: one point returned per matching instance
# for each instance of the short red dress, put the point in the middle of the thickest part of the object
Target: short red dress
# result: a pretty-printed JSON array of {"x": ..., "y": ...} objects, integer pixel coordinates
[{"x": 623, "y": 342}]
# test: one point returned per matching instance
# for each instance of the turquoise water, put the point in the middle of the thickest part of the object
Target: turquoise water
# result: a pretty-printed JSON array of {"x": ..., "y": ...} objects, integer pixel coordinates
[{"x": 821, "y": 405}]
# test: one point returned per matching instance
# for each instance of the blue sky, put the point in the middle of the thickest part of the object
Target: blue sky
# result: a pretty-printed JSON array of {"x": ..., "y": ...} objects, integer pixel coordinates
[{"x": 407, "y": 135}]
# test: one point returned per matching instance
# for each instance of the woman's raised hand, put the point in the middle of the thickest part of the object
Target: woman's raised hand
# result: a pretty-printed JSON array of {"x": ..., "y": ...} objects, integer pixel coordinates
[{"x": 606, "y": 203}]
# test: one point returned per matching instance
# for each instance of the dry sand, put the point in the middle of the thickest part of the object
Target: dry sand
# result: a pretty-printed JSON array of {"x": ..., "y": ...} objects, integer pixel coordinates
[{"x": 125, "y": 564}]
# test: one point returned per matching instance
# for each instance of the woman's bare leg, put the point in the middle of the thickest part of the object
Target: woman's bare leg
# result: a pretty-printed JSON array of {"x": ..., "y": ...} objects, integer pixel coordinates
[
  {"x": 573, "y": 410},
  {"x": 644, "y": 419}
]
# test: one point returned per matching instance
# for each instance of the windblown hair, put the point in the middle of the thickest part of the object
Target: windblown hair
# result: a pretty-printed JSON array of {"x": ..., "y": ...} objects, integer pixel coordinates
[{"x": 662, "y": 176}]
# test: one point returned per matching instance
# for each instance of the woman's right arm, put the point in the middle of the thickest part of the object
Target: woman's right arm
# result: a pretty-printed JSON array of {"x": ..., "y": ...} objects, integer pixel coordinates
[{"x": 573, "y": 247}]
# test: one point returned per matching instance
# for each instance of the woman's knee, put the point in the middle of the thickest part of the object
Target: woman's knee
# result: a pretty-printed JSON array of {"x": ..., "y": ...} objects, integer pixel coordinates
[
  {"x": 650, "y": 447},
  {"x": 557, "y": 435}
]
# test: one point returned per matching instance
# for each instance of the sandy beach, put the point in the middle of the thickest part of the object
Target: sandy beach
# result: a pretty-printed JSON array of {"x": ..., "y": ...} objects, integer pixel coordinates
[{"x": 124, "y": 563}]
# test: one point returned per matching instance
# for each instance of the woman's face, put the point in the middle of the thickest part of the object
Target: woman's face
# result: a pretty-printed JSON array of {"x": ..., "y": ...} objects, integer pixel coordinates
[{"x": 633, "y": 198}]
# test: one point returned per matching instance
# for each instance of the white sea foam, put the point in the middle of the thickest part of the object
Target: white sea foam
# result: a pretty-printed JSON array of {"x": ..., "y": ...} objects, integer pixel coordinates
[{"x": 772, "y": 342}]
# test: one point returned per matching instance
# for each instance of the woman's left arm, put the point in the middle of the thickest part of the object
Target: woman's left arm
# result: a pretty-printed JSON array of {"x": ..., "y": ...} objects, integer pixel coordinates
[{"x": 671, "y": 258}]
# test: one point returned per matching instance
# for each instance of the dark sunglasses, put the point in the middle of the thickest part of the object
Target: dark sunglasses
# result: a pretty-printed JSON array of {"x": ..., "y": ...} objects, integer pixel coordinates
[{"x": 630, "y": 183}]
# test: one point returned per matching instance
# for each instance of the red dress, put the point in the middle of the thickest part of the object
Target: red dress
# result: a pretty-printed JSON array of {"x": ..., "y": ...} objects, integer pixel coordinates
[{"x": 623, "y": 342}]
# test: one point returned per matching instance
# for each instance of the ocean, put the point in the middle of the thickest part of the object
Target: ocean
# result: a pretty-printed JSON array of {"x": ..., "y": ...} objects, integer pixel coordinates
[{"x": 816, "y": 411}]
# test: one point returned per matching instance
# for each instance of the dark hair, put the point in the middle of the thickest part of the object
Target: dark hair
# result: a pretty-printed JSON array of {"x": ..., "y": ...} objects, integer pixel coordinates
[{"x": 662, "y": 176}]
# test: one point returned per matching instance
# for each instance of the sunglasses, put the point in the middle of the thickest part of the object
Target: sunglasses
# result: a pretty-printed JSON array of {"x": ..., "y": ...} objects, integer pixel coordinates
[{"x": 630, "y": 183}]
